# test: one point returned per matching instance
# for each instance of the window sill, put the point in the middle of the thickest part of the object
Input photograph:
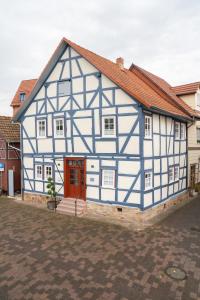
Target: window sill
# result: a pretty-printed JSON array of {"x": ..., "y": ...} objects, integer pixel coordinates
[
  {"x": 41, "y": 137},
  {"x": 107, "y": 188}
]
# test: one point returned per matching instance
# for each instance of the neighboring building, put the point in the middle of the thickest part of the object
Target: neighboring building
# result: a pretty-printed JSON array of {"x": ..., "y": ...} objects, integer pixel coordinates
[
  {"x": 115, "y": 137},
  {"x": 22, "y": 94},
  {"x": 190, "y": 94},
  {"x": 10, "y": 163}
]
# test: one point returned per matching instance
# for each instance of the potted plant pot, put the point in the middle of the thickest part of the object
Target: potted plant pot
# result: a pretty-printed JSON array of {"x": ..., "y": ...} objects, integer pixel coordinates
[{"x": 51, "y": 205}]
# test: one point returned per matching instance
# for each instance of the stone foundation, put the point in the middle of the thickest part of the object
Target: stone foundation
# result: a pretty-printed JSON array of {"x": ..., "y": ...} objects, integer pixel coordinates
[
  {"x": 122, "y": 215},
  {"x": 36, "y": 199},
  {"x": 133, "y": 217}
]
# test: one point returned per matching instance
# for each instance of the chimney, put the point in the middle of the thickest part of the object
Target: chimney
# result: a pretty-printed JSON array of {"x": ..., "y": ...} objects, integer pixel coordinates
[{"x": 120, "y": 62}]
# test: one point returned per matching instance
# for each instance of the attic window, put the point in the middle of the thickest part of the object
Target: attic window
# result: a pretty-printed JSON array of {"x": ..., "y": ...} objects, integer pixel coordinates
[
  {"x": 64, "y": 88},
  {"x": 22, "y": 96}
]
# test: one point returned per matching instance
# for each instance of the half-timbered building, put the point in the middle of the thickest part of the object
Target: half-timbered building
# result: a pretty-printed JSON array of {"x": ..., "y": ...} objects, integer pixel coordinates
[{"x": 111, "y": 136}]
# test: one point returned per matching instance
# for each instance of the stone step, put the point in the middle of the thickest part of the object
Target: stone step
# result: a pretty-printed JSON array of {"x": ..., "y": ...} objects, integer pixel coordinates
[{"x": 67, "y": 206}]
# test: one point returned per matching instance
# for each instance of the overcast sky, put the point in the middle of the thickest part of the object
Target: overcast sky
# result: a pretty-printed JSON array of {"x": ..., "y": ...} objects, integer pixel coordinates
[{"x": 161, "y": 36}]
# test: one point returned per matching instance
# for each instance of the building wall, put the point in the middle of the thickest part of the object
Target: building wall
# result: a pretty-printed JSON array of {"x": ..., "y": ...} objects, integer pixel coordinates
[
  {"x": 193, "y": 146},
  {"x": 93, "y": 97},
  {"x": 11, "y": 159}
]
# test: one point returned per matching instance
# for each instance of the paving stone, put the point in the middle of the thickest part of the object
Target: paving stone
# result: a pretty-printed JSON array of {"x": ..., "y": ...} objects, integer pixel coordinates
[{"x": 44, "y": 255}]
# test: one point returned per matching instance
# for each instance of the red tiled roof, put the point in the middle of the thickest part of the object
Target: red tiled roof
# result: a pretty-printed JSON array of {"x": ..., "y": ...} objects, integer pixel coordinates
[
  {"x": 26, "y": 87},
  {"x": 164, "y": 89},
  {"x": 186, "y": 89},
  {"x": 133, "y": 84},
  {"x": 148, "y": 89},
  {"x": 9, "y": 131}
]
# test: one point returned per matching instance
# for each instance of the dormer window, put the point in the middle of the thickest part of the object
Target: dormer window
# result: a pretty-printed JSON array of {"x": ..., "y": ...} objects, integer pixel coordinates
[
  {"x": 22, "y": 96},
  {"x": 198, "y": 100}
]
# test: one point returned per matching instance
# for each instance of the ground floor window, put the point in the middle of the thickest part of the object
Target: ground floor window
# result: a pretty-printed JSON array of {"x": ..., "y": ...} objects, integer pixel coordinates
[
  {"x": 108, "y": 178},
  {"x": 43, "y": 172},
  {"x": 147, "y": 180}
]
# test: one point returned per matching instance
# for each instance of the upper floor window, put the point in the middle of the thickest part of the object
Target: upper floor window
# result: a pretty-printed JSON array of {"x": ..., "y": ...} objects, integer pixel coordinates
[
  {"x": 22, "y": 97},
  {"x": 64, "y": 88},
  {"x": 182, "y": 131},
  {"x": 108, "y": 126},
  {"x": 148, "y": 127},
  {"x": 41, "y": 128},
  {"x": 108, "y": 178},
  {"x": 198, "y": 135},
  {"x": 147, "y": 180},
  {"x": 59, "y": 127},
  {"x": 177, "y": 130},
  {"x": 39, "y": 174}
]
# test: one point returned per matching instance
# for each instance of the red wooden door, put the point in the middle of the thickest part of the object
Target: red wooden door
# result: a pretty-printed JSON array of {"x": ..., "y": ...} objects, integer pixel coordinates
[{"x": 74, "y": 178}]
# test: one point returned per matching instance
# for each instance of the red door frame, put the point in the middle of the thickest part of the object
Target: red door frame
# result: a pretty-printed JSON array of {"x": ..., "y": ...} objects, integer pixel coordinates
[{"x": 66, "y": 177}]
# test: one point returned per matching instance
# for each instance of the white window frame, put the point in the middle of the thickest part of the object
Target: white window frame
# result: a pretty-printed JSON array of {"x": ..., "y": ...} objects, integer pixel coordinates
[
  {"x": 38, "y": 128},
  {"x": 45, "y": 171},
  {"x": 171, "y": 168},
  {"x": 68, "y": 88},
  {"x": 148, "y": 123},
  {"x": 106, "y": 133},
  {"x": 182, "y": 131},
  {"x": 176, "y": 173},
  {"x": 22, "y": 96},
  {"x": 108, "y": 183},
  {"x": 55, "y": 127},
  {"x": 147, "y": 180},
  {"x": 177, "y": 133},
  {"x": 39, "y": 175},
  {"x": 198, "y": 139}
]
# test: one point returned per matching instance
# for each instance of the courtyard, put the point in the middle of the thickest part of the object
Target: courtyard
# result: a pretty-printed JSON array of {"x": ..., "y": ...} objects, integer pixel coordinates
[{"x": 44, "y": 255}]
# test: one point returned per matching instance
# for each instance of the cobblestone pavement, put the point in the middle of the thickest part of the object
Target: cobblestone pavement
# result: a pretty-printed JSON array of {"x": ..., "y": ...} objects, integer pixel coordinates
[{"x": 50, "y": 256}]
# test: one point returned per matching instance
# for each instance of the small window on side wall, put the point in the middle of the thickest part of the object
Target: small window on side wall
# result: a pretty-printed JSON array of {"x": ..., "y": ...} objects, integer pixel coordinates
[
  {"x": 64, "y": 88},
  {"x": 171, "y": 174},
  {"x": 22, "y": 97},
  {"x": 59, "y": 127},
  {"x": 176, "y": 173},
  {"x": 147, "y": 180},
  {"x": 108, "y": 178},
  {"x": 182, "y": 133},
  {"x": 41, "y": 128},
  {"x": 177, "y": 130},
  {"x": 148, "y": 127},
  {"x": 109, "y": 126}
]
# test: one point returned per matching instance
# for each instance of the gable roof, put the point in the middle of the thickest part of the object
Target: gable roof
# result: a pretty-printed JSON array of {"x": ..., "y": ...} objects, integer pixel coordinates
[
  {"x": 9, "y": 131},
  {"x": 126, "y": 79},
  {"x": 26, "y": 87},
  {"x": 186, "y": 89},
  {"x": 164, "y": 89}
]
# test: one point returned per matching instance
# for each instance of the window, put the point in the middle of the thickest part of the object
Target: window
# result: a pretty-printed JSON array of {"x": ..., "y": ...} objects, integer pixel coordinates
[
  {"x": 147, "y": 126},
  {"x": 171, "y": 174},
  {"x": 198, "y": 100},
  {"x": 108, "y": 126},
  {"x": 64, "y": 88},
  {"x": 108, "y": 178},
  {"x": 198, "y": 134},
  {"x": 177, "y": 130},
  {"x": 147, "y": 180},
  {"x": 22, "y": 97},
  {"x": 41, "y": 128},
  {"x": 48, "y": 172},
  {"x": 182, "y": 131},
  {"x": 39, "y": 172},
  {"x": 176, "y": 173},
  {"x": 59, "y": 127}
]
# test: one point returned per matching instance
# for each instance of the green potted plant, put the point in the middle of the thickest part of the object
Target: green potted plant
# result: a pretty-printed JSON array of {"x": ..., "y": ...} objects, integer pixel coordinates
[{"x": 51, "y": 204}]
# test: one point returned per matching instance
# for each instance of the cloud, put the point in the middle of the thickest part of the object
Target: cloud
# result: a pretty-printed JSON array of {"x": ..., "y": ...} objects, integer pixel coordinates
[{"x": 157, "y": 35}]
